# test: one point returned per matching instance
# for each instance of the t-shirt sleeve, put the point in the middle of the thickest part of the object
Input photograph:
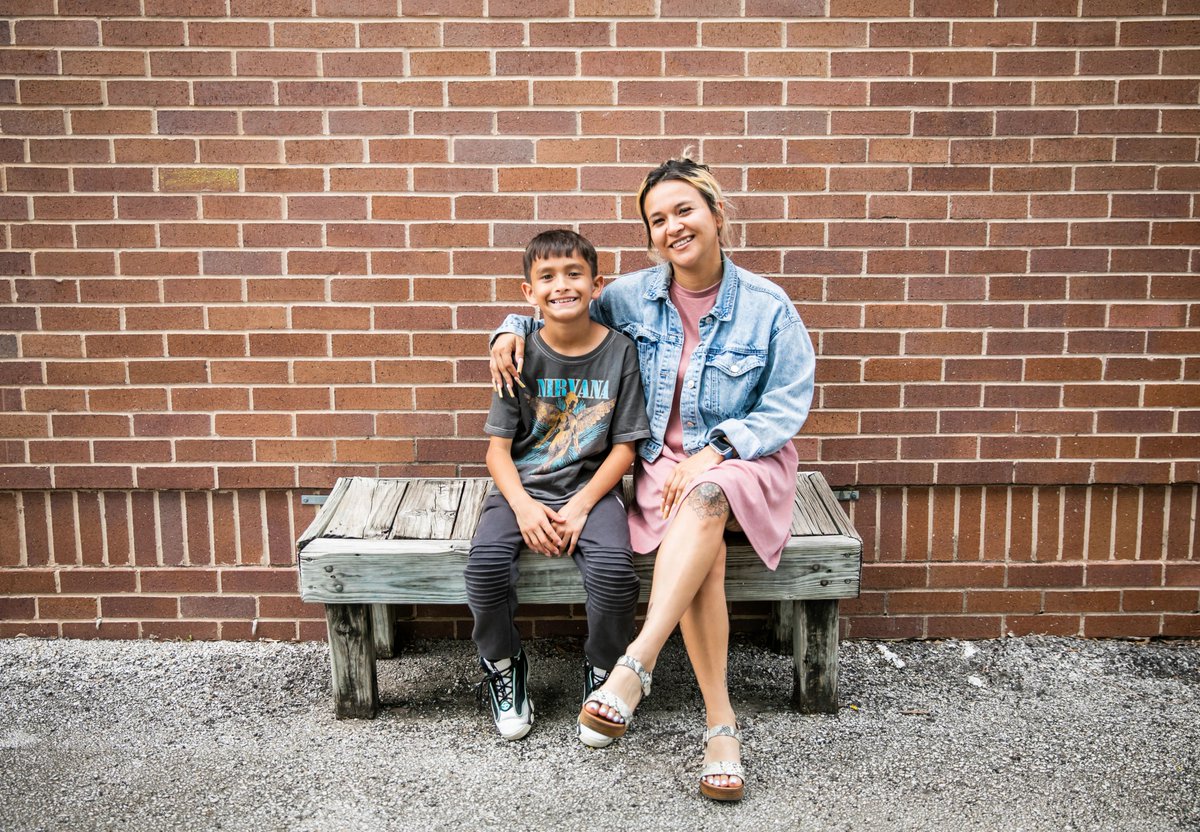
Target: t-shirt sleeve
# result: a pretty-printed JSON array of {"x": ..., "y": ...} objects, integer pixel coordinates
[
  {"x": 630, "y": 422},
  {"x": 504, "y": 417}
]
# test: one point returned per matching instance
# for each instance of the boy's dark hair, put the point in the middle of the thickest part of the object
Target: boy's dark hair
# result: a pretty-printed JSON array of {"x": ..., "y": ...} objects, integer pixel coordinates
[{"x": 560, "y": 242}]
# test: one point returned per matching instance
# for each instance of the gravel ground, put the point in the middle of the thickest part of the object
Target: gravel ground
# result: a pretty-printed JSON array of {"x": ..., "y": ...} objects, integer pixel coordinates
[{"x": 1015, "y": 734}]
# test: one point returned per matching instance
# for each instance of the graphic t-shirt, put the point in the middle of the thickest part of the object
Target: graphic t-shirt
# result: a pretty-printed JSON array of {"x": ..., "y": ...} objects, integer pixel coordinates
[{"x": 570, "y": 413}]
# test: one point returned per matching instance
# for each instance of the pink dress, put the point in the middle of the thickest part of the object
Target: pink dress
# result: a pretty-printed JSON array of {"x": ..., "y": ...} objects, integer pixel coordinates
[{"x": 761, "y": 492}]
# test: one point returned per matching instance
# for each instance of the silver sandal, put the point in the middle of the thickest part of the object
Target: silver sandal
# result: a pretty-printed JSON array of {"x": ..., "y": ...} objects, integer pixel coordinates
[
  {"x": 595, "y": 722},
  {"x": 719, "y": 767}
]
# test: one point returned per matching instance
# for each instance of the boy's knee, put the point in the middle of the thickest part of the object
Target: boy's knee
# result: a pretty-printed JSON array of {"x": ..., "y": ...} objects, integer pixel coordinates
[
  {"x": 487, "y": 580},
  {"x": 610, "y": 582}
]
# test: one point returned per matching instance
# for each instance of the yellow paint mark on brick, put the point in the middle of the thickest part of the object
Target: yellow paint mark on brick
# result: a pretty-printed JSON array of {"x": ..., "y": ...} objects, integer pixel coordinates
[{"x": 198, "y": 179}]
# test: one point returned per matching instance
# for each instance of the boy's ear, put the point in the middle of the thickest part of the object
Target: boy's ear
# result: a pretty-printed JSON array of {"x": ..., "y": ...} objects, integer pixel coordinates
[
  {"x": 597, "y": 284},
  {"x": 527, "y": 291}
]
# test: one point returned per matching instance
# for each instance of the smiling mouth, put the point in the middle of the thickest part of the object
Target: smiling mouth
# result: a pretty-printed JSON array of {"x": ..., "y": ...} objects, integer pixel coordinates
[
  {"x": 563, "y": 301},
  {"x": 678, "y": 244}
]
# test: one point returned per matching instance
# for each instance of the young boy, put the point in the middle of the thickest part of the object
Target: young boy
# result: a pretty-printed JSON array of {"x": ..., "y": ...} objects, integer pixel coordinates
[{"x": 559, "y": 446}]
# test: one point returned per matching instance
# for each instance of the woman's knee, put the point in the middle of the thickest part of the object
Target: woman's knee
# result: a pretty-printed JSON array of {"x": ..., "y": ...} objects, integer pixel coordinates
[{"x": 708, "y": 503}]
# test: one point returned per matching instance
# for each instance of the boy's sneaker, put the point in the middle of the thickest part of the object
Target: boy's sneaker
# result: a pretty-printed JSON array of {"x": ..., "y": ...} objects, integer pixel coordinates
[
  {"x": 506, "y": 688},
  {"x": 593, "y": 677}
]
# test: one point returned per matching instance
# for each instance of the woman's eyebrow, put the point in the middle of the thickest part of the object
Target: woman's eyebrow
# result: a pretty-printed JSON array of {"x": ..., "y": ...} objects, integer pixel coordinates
[{"x": 675, "y": 207}]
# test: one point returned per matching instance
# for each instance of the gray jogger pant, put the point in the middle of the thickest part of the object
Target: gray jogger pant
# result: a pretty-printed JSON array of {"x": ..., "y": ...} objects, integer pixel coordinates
[{"x": 603, "y": 555}]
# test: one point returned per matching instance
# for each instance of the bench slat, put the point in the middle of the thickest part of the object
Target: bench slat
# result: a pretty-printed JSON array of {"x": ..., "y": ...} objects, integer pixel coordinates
[
  {"x": 319, "y": 523},
  {"x": 350, "y": 515},
  {"x": 385, "y": 503},
  {"x": 813, "y": 500},
  {"x": 805, "y": 521},
  {"x": 428, "y": 509},
  {"x": 470, "y": 507},
  {"x": 825, "y": 494},
  {"x": 430, "y": 572}
]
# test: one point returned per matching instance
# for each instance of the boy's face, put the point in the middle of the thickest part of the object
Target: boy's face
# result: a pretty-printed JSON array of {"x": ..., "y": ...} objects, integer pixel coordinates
[{"x": 562, "y": 287}]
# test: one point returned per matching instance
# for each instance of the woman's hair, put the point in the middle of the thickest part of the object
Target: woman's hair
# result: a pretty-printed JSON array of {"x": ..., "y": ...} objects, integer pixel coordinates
[{"x": 686, "y": 169}]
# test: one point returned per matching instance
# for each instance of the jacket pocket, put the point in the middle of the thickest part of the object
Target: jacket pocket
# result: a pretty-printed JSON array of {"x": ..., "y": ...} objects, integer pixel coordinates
[{"x": 731, "y": 380}]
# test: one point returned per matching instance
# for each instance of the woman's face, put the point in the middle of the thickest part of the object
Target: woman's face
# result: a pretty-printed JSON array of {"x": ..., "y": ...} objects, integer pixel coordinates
[{"x": 682, "y": 228}]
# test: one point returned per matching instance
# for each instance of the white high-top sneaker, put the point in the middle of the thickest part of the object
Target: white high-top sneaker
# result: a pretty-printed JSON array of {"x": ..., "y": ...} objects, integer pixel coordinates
[{"x": 506, "y": 687}]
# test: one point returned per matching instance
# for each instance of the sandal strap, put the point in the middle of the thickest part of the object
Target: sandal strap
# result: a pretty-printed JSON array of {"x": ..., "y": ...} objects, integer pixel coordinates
[
  {"x": 724, "y": 767},
  {"x": 605, "y": 697},
  {"x": 638, "y": 668},
  {"x": 722, "y": 731}
]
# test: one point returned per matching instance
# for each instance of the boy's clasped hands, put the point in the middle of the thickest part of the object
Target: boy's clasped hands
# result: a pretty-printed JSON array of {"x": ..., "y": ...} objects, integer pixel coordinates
[{"x": 549, "y": 532}]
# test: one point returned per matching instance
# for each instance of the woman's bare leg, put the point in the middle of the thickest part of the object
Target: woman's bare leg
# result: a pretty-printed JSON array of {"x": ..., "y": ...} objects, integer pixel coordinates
[
  {"x": 692, "y": 545},
  {"x": 705, "y": 627}
]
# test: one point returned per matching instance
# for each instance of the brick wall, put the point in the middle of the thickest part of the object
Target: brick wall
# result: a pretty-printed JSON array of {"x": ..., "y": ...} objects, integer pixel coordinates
[{"x": 254, "y": 249}]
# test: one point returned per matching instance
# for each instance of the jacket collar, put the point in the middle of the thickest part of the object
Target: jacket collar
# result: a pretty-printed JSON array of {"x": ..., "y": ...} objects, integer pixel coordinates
[{"x": 659, "y": 287}]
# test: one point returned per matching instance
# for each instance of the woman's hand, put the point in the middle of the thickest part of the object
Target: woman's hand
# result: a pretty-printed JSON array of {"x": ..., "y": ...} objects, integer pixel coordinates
[
  {"x": 682, "y": 476},
  {"x": 536, "y": 522},
  {"x": 574, "y": 514},
  {"x": 505, "y": 362}
]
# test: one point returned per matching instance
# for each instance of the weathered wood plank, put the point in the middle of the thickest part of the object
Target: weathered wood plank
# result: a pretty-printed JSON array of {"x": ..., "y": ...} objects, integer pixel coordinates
[
  {"x": 836, "y": 512},
  {"x": 352, "y": 659},
  {"x": 806, "y": 491},
  {"x": 781, "y": 626},
  {"x": 815, "y": 656},
  {"x": 350, "y": 517},
  {"x": 319, "y": 523},
  {"x": 385, "y": 502},
  {"x": 428, "y": 509},
  {"x": 470, "y": 506},
  {"x": 411, "y": 571},
  {"x": 383, "y": 628},
  {"x": 804, "y": 520}
]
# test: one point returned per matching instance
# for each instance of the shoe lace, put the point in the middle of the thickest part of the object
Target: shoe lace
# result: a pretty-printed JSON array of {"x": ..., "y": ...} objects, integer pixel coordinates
[{"x": 498, "y": 681}]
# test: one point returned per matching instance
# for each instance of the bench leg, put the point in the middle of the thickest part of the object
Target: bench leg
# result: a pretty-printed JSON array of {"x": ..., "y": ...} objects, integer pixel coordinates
[
  {"x": 781, "y": 626},
  {"x": 815, "y": 656},
  {"x": 383, "y": 625},
  {"x": 352, "y": 658}
]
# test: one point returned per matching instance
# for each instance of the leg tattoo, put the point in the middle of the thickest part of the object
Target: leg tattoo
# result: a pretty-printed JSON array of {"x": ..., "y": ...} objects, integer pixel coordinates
[{"x": 708, "y": 500}]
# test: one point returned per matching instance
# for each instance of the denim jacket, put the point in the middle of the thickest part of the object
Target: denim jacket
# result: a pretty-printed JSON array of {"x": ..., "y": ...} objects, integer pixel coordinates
[{"x": 750, "y": 377}]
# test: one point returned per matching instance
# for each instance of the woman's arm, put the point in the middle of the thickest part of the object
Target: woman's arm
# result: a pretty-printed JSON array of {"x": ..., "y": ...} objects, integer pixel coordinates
[
  {"x": 782, "y": 409},
  {"x": 508, "y": 351}
]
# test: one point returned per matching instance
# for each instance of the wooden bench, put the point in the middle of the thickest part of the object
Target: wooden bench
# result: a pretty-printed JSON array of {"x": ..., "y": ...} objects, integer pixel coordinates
[{"x": 379, "y": 542}]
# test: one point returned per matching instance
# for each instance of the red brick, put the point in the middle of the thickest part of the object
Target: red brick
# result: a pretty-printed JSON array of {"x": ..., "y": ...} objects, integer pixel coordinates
[
  {"x": 966, "y": 627},
  {"x": 217, "y": 606},
  {"x": 140, "y": 606},
  {"x": 1082, "y": 601},
  {"x": 186, "y": 630},
  {"x": 1055, "y": 625},
  {"x": 884, "y": 627},
  {"x": 64, "y": 608},
  {"x": 1161, "y": 600}
]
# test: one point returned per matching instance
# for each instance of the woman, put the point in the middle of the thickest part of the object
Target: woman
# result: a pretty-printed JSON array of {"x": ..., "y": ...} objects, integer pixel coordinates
[{"x": 727, "y": 368}]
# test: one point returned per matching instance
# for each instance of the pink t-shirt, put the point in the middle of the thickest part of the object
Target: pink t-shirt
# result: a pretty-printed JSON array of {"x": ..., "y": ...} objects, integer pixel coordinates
[{"x": 761, "y": 492}]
